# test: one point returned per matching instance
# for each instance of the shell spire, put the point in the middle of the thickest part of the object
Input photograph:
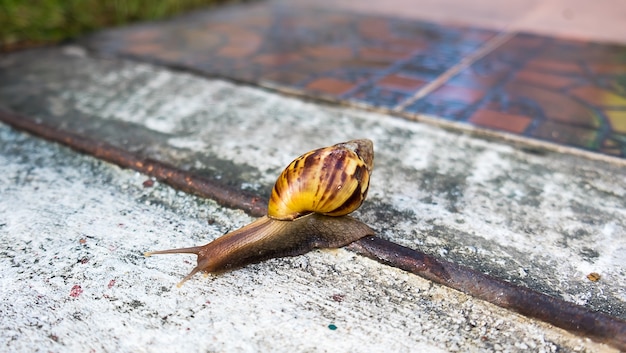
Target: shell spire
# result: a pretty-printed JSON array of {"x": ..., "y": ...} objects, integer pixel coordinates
[{"x": 332, "y": 181}]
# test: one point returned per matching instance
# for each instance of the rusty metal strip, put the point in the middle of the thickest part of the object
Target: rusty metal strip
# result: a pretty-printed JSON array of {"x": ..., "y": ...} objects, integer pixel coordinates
[
  {"x": 577, "y": 319},
  {"x": 571, "y": 317}
]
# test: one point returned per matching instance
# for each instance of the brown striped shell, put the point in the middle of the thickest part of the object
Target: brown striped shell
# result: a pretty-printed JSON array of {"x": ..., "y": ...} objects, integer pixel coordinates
[{"x": 332, "y": 181}]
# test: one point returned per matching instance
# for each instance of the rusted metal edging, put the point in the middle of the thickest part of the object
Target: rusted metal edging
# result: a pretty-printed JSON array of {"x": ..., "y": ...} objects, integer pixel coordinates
[
  {"x": 574, "y": 318},
  {"x": 571, "y": 317}
]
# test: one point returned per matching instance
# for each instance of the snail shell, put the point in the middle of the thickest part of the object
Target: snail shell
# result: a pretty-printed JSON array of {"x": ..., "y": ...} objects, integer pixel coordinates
[
  {"x": 332, "y": 181},
  {"x": 307, "y": 210}
]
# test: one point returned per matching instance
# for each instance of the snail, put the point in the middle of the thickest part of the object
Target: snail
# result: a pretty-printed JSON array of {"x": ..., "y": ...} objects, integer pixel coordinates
[{"x": 307, "y": 209}]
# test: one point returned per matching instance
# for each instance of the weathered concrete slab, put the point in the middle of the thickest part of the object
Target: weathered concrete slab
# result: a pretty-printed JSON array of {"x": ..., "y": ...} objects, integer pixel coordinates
[
  {"x": 534, "y": 218},
  {"x": 72, "y": 233}
]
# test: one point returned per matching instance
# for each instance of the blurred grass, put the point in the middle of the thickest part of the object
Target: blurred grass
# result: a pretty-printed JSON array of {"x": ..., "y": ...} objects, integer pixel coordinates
[{"x": 26, "y": 23}]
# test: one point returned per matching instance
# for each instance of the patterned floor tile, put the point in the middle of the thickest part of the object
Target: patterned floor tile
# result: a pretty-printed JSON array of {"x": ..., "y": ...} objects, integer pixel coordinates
[
  {"x": 370, "y": 59},
  {"x": 564, "y": 91}
]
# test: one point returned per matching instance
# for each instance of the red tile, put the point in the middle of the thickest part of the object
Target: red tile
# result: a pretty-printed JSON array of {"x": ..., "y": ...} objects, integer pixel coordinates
[
  {"x": 546, "y": 80},
  {"x": 330, "y": 86},
  {"x": 241, "y": 45},
  {"x": 317, "y": 67},
  {"x": 501, "y": 121},
  {"x": 400, "y": 82},
  {"x": 329, "y": 52}
]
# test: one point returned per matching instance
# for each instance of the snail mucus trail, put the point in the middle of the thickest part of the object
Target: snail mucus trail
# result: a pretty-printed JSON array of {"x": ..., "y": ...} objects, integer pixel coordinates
[{"x": 307, "y": 209}]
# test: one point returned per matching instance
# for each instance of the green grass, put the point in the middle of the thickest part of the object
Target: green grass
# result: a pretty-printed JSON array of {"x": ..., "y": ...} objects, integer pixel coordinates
[{"x": 35, "y": 22}]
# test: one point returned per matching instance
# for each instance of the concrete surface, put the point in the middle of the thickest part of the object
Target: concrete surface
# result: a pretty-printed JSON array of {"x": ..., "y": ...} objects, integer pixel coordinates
[
  {"x": 532, "y": 217},
  {"x": 72, "y": 233}
]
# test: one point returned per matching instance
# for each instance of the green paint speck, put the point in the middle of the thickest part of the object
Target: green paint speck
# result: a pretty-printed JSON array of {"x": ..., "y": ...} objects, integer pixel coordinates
[{"x": 332, "y": 327}]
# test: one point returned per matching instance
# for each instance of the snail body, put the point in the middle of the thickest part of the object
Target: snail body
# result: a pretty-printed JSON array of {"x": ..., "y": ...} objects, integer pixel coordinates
[{"x": 307, "y": 210}]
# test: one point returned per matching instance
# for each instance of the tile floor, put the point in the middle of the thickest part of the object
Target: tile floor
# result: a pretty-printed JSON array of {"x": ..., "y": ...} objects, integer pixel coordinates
[{"x": 566, "y": 91}]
